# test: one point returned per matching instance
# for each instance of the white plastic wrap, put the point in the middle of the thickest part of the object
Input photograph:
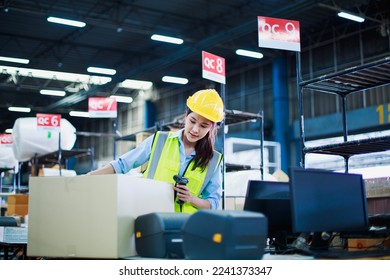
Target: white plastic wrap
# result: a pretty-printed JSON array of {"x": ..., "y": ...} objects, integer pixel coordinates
[
  {"x": 236, "y": 182},
  {"x": 28, "y": 140},
  {"x": 7, "y": 158}
]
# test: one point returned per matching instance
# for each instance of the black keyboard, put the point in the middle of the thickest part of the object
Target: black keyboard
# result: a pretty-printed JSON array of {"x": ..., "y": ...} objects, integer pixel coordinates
[
  {"x": 377, "y": 233},
  {"x": 379, "y": 220},
  {"x": 339, "y": 254}
]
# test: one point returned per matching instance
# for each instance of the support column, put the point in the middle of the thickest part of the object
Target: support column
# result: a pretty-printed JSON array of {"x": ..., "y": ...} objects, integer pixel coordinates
[
  {"x": 150, "y": 114},
  {"x": 281, "y": 109}
]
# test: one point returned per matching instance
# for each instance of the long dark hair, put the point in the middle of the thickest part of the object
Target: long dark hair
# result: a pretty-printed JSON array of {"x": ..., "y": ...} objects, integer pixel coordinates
[{"x": 204, "y": 148}]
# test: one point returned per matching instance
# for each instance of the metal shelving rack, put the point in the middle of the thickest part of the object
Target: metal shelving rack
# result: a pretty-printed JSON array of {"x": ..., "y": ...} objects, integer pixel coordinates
[
  {"x": 61, "y": 157},
  {"x": 343, "y": 83},
  {"x": 5, "y": 169},
  {"x": 233, "y": 117},
  {"x": 160, "y": 126}
]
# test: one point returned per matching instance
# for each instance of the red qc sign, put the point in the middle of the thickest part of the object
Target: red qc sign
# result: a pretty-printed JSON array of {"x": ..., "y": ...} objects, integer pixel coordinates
[
  {"x": 102, "y": 107},
  {"x": 213, "y": 67},
  {"x": 279, "y": 33},
  {"x": 49, "y": 121}
]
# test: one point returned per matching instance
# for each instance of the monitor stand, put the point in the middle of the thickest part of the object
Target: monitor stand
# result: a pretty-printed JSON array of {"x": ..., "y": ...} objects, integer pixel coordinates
[
  {"x": 281, "y": 241},
  {"x": 319, "y": 241}
]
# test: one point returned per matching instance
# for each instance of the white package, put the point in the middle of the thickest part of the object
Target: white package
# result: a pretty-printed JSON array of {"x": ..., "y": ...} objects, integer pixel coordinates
[
  {"x": 29, "y": 141},
  {"x": 7, "y": 158}
]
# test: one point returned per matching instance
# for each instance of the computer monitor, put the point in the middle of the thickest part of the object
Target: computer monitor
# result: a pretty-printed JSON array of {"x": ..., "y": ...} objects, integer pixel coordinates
[
  {"x": 326, "y": 201},
  {"x": 273, "y": 200}
]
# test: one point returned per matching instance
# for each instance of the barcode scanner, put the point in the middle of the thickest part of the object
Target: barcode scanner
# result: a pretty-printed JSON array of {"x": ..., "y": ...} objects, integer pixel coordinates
[{"x": 180, "y": 181}]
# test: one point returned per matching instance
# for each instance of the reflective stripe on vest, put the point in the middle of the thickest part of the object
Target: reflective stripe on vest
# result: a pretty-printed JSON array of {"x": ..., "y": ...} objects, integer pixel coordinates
[
  {"x": 164, "y": 163},
  {"x": 153, "y": 162}
]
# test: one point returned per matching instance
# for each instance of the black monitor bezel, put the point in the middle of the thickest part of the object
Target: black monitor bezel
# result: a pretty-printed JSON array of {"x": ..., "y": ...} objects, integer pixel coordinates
[
  {"x": 298, "y": 226},
  {"x": 263, "y": 199}
]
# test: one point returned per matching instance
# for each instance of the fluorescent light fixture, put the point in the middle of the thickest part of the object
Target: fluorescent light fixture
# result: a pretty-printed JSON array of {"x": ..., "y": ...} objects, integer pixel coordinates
[
  {"x": 9, "y": 130},
  {"x": 98, "y": 70},
  {"x": 53, "y": 92},
  {"x": 20, "y": 109},
  {"x": 66, "y": 21},
  {"x": 136, "y": 84},
  {"x": 54, "y": 75},
  {"x": 253, "y": 54},
  {"x": 167, "y": 39},
  {"x": 79, "y": 114},
  {"x": 14, "y": 59},
  {"x": 175, "y": 80},
  {"x": 350, "y": 16},
  {"x": 72, "y": 77},
  {"x": 122, "y": 99}
]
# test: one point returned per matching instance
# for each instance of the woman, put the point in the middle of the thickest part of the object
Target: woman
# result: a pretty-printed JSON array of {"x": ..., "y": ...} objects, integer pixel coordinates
[{"x": 187, "y": 153}]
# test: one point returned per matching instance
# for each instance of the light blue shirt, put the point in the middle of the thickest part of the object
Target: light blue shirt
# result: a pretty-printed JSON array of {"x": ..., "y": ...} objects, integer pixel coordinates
[{"x": 141, "y": 154}]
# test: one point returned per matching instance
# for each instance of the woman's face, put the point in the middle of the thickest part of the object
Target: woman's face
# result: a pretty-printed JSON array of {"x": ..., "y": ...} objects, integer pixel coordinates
[{"x": 196, "y": 127}]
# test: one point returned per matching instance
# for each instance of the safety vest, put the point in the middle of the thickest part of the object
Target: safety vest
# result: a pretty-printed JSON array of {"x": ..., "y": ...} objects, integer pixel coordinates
[{"x": 164, "y": 163}]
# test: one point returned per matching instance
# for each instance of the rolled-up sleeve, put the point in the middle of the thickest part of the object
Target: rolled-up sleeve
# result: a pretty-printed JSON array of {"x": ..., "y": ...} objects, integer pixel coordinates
[{"x": 133, "y": 158}]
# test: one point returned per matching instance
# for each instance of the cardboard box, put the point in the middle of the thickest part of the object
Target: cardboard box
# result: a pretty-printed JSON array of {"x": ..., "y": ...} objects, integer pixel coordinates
[
  {"x": 139, "y": 138},
  {"x": 13, "y": 234},
  {"x": 359, "y": 244},
  {"x": 91, "y": 216},
  {"x": 234, "y": 203},
  {"x": 18, "y": 199},
  {"x": 17, "y": 205},
  {"x": 17, "y": 210}
]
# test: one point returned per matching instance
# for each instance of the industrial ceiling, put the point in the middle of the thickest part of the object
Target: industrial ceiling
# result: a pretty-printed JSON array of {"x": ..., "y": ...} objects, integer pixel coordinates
[{"x": 118, "y": 33}]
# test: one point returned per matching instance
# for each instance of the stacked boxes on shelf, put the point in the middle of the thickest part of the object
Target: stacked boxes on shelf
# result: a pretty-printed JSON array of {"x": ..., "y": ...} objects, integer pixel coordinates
[{"x": 17, "y": 205}]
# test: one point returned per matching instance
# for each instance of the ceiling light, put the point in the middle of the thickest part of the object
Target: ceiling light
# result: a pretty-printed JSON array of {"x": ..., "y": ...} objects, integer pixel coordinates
[
  {"x": 9, "y": 130},
  {"x": 53, "y": 92},
  {"x": 55, "y": 75},
  {"x": 122, "y": 99},
  {"x": 14, "y": 59},
  {"x": 249, "y": 53},
  {"x": 175, "y": 80},
  {"x": 350, "y": 16},
  {"x": 66, "y": 21},
  {"x": 79, "y": 114},
  {"x": 136, "y": 84},
  {"x": 98, "y": 70},
  {"x": 20, "y": 109},
  {"x": 167, "y": 39}
]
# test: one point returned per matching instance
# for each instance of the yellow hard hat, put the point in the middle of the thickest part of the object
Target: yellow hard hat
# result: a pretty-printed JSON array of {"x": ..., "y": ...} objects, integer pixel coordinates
[{"x": 208, "y": 104}]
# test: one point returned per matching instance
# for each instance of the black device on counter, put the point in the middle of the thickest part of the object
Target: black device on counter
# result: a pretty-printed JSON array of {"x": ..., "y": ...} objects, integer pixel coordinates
[
  {"x": 180, "y": 181},
  {"x": 227, "y": 234},
  {"x": 158, "y": 235}
]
